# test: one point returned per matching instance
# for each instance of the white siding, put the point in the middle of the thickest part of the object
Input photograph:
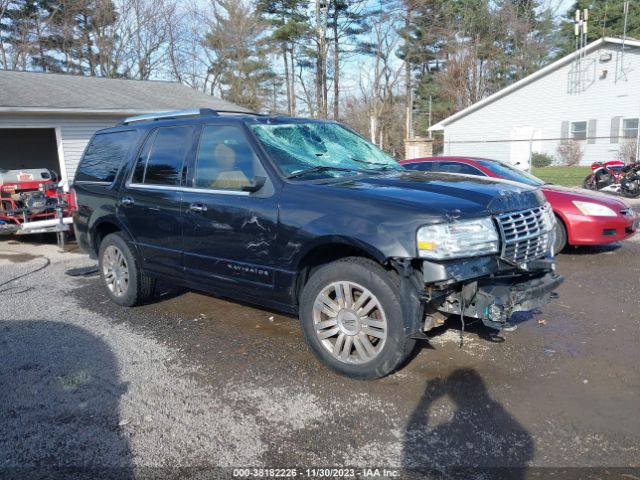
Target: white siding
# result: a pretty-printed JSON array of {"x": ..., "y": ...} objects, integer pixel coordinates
[
  {"x": 75, "y": 132},
  {"x": 547, "y": 102}
]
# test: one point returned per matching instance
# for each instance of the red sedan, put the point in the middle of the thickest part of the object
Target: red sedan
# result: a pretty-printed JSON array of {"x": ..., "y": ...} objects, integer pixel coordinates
[{"x": 584, "y": 218}]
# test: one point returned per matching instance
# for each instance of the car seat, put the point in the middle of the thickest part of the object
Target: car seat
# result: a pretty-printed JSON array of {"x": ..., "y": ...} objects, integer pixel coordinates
[{"x": 229, "y": 177}]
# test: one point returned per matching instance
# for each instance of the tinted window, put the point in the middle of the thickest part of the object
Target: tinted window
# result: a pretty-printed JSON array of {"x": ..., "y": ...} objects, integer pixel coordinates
[
  {"x": 457, "y": 167},
  {"x": 225, "y": 159},
  {"x": 508, "y": 172},
  {"x": 141, "y": 162},
  {"x": 104, "y": 156},
  {"x": 162, "y": 163},
  {"x": 419, "y": 166}
]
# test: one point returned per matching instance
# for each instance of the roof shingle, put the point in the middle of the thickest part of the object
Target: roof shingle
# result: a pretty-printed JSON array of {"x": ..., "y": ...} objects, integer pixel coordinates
[{"x": 48, "y": 92}]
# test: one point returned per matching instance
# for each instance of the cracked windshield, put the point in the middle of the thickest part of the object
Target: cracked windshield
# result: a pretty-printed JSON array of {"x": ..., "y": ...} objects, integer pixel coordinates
[{"x": 317, "y": 150}]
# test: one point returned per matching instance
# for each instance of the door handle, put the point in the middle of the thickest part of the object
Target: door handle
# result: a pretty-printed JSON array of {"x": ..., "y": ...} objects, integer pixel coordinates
[
  {"x": 127, "y": 202},
  {"x": 197, "y": 207}
]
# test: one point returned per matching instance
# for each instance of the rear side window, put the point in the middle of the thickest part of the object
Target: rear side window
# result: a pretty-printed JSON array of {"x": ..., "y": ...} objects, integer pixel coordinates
[
  {"x": 104, "y": 156},
  {"x": 162, "y": 159},
  {"x": 457, "y": 167},
  {"x": 419, "y": 166}
]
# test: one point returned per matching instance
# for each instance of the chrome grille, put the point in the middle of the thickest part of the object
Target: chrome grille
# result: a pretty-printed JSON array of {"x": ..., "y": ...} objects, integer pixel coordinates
[{"x": 525, "y": 234}]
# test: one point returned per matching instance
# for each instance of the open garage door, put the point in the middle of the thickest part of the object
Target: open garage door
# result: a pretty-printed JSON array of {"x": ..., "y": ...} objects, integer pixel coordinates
[{"x": 29, "y": 148}]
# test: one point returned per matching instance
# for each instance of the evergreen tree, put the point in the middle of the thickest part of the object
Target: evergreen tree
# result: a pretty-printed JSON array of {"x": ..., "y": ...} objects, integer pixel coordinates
[
  {"x": 241, "y": 56},
  {"x": 289, "y": 24},
  {"x": 21, "y": 31},
  {"x": 346, "y": 22}
]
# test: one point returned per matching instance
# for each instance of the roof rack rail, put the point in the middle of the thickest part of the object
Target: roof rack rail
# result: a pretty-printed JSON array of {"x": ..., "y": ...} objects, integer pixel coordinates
[{"x": 194, "y": 112}]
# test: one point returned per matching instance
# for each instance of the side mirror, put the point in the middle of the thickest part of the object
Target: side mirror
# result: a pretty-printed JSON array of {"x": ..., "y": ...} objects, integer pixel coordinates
[{"x": 256, "y": 184}]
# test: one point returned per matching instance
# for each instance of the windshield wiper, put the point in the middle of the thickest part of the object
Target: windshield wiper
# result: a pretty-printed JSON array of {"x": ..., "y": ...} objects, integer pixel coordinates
[
  {"x": 319, "y": 168},
  {"x": 383, "y": 167}
]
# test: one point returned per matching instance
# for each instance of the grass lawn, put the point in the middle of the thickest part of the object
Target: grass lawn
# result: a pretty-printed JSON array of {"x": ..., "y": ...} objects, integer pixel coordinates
[{"x": 569, "y": 176}]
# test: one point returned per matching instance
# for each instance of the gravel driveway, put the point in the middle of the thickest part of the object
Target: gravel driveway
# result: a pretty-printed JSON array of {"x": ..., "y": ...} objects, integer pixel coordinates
[{"x": 194, "y": 381}]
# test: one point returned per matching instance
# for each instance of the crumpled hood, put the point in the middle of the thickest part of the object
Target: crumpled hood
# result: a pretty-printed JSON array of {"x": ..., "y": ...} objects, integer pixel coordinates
[{"x": 449, "y": 194}]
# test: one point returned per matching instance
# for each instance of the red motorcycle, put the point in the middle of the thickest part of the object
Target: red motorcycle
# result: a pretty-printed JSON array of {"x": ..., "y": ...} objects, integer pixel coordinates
[{"x": 605, "y": 176}]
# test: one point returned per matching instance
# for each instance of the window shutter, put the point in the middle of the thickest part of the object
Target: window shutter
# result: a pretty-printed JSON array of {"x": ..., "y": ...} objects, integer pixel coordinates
[
  {"x": 615, "y": 130},
  {"x": 591, "y": 131},
  {"x": 564, "y": 131}
]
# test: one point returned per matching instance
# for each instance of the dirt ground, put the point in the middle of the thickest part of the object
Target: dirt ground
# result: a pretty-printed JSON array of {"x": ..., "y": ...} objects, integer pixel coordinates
[{"x": 214, "y": 383}]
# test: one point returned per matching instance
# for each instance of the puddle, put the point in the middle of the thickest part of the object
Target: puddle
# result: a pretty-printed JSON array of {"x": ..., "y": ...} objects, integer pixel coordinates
[{"x": 18, "y": 257}]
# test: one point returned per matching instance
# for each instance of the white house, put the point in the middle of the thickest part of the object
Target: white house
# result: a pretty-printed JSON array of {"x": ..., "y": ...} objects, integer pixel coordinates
[
  {"x": 46, "y": 120},
  {"x": 591, "y": 97}
]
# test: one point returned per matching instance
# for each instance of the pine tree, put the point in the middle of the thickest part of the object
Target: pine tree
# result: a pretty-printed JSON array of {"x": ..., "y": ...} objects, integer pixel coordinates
[
  {"x": 236, "y": 38},
  {"x": 289, "y": 24},
  {"x": 23, "y": 24},
  {"x": 346, "y": 22}
]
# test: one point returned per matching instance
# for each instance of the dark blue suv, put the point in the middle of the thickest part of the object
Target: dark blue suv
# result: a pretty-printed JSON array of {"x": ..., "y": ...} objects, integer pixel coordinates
[{"x": 307, "y": 217}]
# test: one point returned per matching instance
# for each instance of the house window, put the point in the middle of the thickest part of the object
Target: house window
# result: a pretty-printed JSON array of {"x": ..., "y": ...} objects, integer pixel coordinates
[
  {"x": 630, "y": 128},
  {"x": 579, "y": 130}
]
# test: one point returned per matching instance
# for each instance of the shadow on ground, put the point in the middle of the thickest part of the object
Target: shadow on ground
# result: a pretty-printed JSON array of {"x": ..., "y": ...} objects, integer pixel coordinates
[
  {"x": 458, "y": 429},
  {"x": 591, "y": 249},
  {"x": 59, "y": 399}
]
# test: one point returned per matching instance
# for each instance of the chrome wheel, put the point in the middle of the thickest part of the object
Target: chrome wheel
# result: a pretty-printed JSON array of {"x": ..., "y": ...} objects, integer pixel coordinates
[
  {"x": 350, "y": 322},
  {"x": 115, "y": 271}
]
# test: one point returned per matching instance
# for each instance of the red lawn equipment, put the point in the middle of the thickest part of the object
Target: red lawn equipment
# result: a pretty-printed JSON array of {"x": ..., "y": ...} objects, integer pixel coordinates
[{"x": 32, "y": 202}]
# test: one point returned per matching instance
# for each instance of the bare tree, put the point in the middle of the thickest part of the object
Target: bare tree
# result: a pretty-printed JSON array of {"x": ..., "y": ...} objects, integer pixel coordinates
[
  {"x": 628, "y": 150},
  {"x": 4, "y": 4},
  {"x": 144, "y": 34},
  {"x": 379, "y": 84},
  {"x": 306, "y": 78},
  {"x": 570, "y": 152}
]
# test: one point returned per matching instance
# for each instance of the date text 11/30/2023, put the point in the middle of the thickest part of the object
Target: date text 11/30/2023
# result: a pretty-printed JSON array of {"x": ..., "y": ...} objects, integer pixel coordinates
[{"x": 315, "y": 473}]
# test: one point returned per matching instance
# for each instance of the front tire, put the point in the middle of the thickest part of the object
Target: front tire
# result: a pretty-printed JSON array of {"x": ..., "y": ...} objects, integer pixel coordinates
[
  {"x": 125, "y": 282},
  {"x": 561, "y": 237},
  {"x": 352, "y": 319},
  {"x": 590, "y": 183}
]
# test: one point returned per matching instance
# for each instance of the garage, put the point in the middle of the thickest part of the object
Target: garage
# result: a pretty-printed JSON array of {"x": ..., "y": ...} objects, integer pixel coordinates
[{"x": 24, "y": 148}]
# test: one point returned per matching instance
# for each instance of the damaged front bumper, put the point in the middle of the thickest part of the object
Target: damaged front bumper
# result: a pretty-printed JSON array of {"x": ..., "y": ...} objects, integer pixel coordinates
[{"x": 494, "y": 299}]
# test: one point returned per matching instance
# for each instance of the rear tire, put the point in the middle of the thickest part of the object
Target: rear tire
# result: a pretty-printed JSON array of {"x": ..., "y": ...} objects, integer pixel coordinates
[
  {"x": 561, "y": 237},
  {"x": 125, "y": 283},
  {"x": 632, "y": 193},
  {"x": 352, "y": 319}
]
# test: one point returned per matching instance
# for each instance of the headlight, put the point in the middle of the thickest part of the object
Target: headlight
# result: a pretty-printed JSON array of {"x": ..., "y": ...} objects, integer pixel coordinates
[
  {"x": 594, "y": 209},
  {"x": 549, "y": 218},
  {"x": 460, "y": 239}
]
